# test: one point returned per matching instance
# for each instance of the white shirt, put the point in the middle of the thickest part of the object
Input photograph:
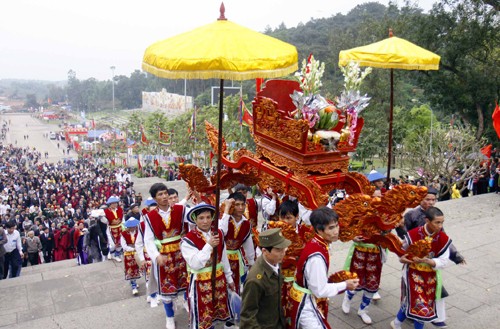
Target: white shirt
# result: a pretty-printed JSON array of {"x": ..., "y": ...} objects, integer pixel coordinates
[
  {"x": 139, "y": 243},
  {"x": 247, "y": 244},
  {"x": 268, "y": 207},
  {"x": 315, "y": 274},
  {"x": 13, "y": 241},
  {"x": 124, "y": 244},
  {"x": 197, "y": 259}
]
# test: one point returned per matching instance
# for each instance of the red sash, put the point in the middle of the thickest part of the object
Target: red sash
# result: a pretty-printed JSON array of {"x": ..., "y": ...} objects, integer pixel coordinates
[
  {"x": 251, "y": 212},
  {"x": 421, "y": 280},
  {"x": 131, "y": 268},
  {"x": 115, "y": 220},
  {"x": 205, "y": 312},
  {"x": 172, "y": 277},
  {"x": 234, "y": 241},
  {"x": 295, "y": 303}
]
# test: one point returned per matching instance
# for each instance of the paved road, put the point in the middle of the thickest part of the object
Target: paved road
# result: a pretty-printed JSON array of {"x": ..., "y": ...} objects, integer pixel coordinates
[{"x": 25, "y": 124}]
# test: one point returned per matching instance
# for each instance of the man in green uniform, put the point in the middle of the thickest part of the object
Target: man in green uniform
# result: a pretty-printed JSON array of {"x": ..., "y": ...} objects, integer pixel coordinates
[{"x": 261, "y": 299}]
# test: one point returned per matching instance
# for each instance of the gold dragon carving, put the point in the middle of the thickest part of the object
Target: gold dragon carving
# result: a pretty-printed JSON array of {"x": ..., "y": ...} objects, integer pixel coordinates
[
  {"x": 212, "y": 134},
  {"x": 374, "y": 218}
]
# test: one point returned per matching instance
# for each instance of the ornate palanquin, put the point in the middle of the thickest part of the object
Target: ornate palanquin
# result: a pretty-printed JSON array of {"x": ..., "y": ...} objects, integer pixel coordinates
[
  {"x": 290, "y": 161},
  {"x": 285, "y": 159}
]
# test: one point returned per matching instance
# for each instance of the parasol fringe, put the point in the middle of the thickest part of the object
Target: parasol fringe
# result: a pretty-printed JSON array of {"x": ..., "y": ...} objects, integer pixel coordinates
[
  {"x": 392, "y": 65},
  {"x": 226, "y": 75}
]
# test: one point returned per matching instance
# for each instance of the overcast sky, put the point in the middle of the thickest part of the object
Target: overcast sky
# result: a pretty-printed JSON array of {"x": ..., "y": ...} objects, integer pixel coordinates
[{"x": 44, "y": 39}]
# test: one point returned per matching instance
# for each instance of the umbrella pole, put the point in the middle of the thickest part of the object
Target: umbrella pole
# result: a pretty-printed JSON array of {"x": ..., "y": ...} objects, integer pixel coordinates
[
  {"x": 390, "y": 130},
  {"x": 215, "y": 228}
]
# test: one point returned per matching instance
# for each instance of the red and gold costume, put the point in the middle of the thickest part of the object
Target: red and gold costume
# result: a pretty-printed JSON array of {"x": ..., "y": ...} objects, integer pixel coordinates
[
  {"x": 299, "y": 236},
  {"x": 115, "y": 223},
  {"x": 199, "y": 258},
  {"x": 422, "y": 283},
  {"x": 365, "y": 259},
  {"x": 240, "y": 248},
  {"x": 166, "y": 232},
  {"x": 300, "y": 293},
  {"x": 132, "y": 271}
]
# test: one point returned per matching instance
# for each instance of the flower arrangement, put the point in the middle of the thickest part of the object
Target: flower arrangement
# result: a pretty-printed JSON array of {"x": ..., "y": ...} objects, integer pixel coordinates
[{"x": 329, "y": 122}]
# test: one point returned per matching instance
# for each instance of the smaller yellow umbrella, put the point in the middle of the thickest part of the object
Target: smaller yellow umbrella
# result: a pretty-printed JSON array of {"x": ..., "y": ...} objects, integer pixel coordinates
[{"x": 391, "y": 53}]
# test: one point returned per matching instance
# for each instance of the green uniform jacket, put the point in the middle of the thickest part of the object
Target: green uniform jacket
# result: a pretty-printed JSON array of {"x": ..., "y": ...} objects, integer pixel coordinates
[{"x": 261, "y": 299}]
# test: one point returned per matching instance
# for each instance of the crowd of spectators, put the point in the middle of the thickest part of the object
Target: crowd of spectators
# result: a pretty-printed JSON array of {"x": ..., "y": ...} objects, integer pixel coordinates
[{"x": 38, "y": 197}]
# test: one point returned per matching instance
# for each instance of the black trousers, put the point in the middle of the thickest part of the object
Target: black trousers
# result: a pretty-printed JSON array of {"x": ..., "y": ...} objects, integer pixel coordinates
[
  {"x": 33, "y": 258},
  {"x": 47, "y": 255},
  {"x": 12, "y": 260}
]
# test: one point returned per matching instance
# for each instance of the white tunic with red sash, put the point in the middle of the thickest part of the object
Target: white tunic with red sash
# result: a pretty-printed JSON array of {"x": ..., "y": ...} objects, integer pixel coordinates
[
  {"x": 307, "y": 305},
  {"x": 239, "y": 245},
  {"x": 198, "y": 255},
  {"x": 115, "y": 223},
  {"x": 141, "y": 250},
  {"x": 130, "y": 265},
  {"x": 421, "y": 282},
  {"x": 163, "y": 236}
]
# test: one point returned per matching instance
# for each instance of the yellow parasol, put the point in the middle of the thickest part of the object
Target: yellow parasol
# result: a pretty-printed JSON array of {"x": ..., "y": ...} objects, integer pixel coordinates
[
  {"x": 220, "y": 50},
  {"x": 391, "y": 53}
]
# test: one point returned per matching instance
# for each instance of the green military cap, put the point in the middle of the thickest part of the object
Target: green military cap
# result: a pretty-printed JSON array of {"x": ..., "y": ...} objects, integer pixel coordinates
[{"x": 273, "y": 238}]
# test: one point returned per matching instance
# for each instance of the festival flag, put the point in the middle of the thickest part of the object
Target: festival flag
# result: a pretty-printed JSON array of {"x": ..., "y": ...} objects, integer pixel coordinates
[
  {"x": 258, "y": 84},
  {"x": 113, "y": 162},
  {"x": 247, "y": 116},
  {"x": 496, "y": 119},
  {"x": 486, "y": 150},
  {"x": 211, "y": 158},
  {"x": 139, "y": 166},
  {"x": 124, "y": 162},
  {"x": 144, "y": 140},
  {"x": 157, "y": 163},
  {"x": 165, "y": 138},
  {"x": 93, "y": 124}
]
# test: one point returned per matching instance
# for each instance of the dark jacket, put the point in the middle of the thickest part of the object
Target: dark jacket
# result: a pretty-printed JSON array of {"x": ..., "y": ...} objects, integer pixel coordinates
[
  {"x": 47, "y": 242},
  {"x": 261, "y": 300}
]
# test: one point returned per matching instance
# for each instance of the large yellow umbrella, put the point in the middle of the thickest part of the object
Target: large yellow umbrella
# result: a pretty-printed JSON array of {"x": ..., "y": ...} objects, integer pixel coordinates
[
  {"x": 391, "y": 53},
  {"x": 220, "y": 50}
]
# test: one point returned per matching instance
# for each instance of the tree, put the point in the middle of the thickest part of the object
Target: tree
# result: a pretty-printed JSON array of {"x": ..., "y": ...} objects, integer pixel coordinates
[
  {"x": 31, "y": 101},
  {"x": 453, "y": 147},
  {"x": 466, "y": 34}
]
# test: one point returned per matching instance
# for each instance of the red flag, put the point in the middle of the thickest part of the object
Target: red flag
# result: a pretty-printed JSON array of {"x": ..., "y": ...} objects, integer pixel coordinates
[
  {"x": 157, "y": 163},
  {"x": 113, "y": 162},
  {"x": 139, "y": 166},
  {"x": 165, "y": 138},
  {"x": 247, "y": 116},
  {"x": 211, "y": 158},
  {"x": 93, "y": 124},
  {"x": 486, "y": 150},
  {"x": 496, "y": 119},
  {"x": 144, "y": 140},
  {"x": 258, "y": 84},
  {"x": 124, "y": 162}
]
